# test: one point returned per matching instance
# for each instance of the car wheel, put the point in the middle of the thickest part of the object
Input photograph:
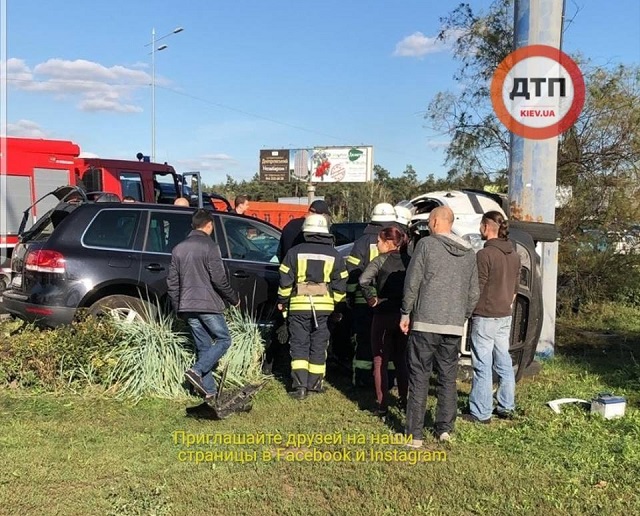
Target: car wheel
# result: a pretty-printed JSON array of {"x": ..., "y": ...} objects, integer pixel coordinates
[{"x": 125, "y": 308}]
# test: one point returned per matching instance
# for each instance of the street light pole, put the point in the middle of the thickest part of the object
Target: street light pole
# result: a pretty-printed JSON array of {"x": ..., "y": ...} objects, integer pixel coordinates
[
  {"x": 153, "y": 95},
  {"x": 153, "y": 83}
]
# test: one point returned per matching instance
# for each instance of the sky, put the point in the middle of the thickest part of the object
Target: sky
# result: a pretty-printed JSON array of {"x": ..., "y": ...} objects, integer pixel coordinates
[{"x": 246, "y": 75}]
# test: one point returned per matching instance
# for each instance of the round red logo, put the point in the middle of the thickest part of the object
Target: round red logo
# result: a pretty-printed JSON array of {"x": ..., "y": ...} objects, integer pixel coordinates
[{"x": 537, "y": 92}]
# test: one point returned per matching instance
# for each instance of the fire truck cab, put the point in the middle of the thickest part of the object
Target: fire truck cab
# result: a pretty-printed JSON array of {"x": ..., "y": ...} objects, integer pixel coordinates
[{"x": 32, "y": 168}]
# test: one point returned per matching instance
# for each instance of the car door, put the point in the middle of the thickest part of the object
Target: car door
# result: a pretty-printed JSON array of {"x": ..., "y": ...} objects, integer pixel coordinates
[
  {"x": 164, "y": 230},
  {"x": 249, "y": 250}
]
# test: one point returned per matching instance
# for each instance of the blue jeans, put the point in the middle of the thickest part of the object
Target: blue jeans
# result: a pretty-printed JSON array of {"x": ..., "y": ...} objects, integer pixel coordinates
[
  {"x": 212, "y": 340},
  {"x": 490, "y": 351}
]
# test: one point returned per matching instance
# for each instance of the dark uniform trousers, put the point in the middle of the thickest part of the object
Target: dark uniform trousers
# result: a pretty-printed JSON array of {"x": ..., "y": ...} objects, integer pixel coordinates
[
  {"x": 363, "y": 359},
  {"x": 308, "y": 345}
]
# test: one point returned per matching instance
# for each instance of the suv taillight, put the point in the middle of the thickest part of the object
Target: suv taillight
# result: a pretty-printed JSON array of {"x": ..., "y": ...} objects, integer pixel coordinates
[{"x": 45, "y": 261}]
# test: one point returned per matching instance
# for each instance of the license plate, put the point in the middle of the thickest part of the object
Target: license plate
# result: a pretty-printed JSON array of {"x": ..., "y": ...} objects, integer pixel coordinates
[{"x": 16, "y": 282}]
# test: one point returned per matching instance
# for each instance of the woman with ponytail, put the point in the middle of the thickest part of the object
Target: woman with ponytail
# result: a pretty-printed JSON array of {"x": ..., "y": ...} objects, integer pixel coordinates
[{"x": 382, "y": 283}]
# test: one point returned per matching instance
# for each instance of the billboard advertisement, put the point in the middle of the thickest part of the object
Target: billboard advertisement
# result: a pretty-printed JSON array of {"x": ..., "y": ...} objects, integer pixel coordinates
[
  {"x": 274, "y": 165},
  {"x": 342, "y": 164}
]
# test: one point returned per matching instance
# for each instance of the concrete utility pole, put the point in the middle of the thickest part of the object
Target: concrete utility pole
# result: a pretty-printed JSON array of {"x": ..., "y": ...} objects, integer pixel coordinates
[
  {"x": 311, "y": 192},
  {"x": 533, "y": 163}
]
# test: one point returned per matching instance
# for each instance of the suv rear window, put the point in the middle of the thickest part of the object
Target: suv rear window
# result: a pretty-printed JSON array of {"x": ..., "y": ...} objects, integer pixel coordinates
[
  {"x": 115, "y": 229},
  {"x": 44, "y": 227}
]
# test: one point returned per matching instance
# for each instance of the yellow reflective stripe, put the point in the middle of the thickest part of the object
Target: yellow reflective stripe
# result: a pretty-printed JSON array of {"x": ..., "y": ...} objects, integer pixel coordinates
[
  {"x": 327, "y": 298},
  {"x": 391, "y": 366},
  {"x": 307, "y": 306},
  {"x": 351, "y": 287},
  {"x": 353, "y": 260},
  {"x": 327, "y": 268},
  {"x": 362, "y": 364},
  {"x": 284, "y": 269},
  {"x": 300, "y": 364},
  {"x": 344, "y": 275},
  {"x": 285, "y": 292},
  {"x": 322, "y": 310},
  {"x": 306, "y": 302},
  {"x": 373, "y": 251},
  {"x": 337, "y": 296},
  {"x": 318, "y": 257},
  {"x": 302, "y": 269},
  {"x": 317, "y": 369}
]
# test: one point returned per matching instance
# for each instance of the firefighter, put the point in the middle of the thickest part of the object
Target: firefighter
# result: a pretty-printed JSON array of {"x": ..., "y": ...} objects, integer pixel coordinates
[
  {"x": 313, "y": 280},
  {"x": 364, "y": 250},
  {"x": 403, "y": 221}
]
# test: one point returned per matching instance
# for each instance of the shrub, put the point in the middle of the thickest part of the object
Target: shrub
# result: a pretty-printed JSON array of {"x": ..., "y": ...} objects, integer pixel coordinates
[
  {"x": 587, "y": 274},
  {"x": 130, "y": 360},
  {"x": 52, "y": 359}
]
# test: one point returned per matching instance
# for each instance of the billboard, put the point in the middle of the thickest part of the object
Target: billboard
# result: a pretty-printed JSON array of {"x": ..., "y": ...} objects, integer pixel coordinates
[
  {"x": 274, "y": 165},
  {"x": 342, "y": 164}
]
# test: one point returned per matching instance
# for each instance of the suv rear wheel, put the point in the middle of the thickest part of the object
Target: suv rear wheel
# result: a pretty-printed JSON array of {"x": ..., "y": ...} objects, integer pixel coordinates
[{"x": 127, "y": 308}]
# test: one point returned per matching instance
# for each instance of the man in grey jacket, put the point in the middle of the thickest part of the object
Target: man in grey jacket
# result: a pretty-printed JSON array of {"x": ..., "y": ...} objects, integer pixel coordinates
[
  {"x": 198, "y": 289},
  {"x": 440, "y": 293}
]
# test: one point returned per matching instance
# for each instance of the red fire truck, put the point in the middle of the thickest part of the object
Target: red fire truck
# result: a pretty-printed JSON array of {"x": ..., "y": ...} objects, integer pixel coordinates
[{"x": 35, "y": 168}]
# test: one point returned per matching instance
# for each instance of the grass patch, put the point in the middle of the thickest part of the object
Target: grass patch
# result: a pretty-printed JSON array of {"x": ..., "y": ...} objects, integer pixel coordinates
[{"x": 72, "y": 454}]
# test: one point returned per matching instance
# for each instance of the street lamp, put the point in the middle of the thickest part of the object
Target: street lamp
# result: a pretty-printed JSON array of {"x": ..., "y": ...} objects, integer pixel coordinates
[{"x": 155, "y": 49}]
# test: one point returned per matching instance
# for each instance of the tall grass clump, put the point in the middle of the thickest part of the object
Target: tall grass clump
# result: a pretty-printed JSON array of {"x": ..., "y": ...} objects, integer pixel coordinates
[
  {"x": 151, "y": 358},
  {"x": 152, "y": 354},
  {"x": 245, "y": 356}
]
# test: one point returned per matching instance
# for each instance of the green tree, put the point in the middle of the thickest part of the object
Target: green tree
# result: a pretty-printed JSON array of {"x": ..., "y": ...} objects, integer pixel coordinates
[
  {"x": 598, "y": 158},
  {"x": 479, "y": 143},
  {"x": 380, "y": 174}
]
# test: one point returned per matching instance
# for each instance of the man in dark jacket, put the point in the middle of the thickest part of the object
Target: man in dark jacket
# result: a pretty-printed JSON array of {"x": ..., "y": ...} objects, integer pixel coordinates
[
  {"x": 363, "y": 251},
  {"x": 440, "y": 293},
  {"x": 498, "y": 273},
  {"x": 292, "y": 231},
  {"x": 312, "y": 280},
  {"x": 198, "y": 289}
]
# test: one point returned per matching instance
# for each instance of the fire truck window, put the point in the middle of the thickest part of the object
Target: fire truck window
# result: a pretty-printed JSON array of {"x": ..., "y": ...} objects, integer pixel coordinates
[
  {"x": 165, "y": 189},
  {"x": 131, "y": 185}
]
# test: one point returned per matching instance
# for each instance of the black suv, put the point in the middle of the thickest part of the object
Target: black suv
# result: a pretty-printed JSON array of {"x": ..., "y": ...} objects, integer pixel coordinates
[
  {"x": 106, "y": 255},
  {"x": 347, "y": 232}
]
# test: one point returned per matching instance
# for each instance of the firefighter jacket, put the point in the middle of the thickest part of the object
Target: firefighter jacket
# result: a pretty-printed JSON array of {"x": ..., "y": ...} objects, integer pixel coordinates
[
  {"x": 364, "y": 250},
  {"x": 312, "y": 276}
]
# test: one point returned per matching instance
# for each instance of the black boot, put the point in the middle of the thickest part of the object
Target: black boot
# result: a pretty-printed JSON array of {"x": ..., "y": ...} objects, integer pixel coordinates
[{"x": 299, "y": 393}]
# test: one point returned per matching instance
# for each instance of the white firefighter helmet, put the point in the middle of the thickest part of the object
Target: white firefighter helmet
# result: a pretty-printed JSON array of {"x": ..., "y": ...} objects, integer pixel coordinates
[
  {"x": 383, "y": 212},
  {"x": 403, "y": 215},
  {"x": 316, "y": 223}
]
